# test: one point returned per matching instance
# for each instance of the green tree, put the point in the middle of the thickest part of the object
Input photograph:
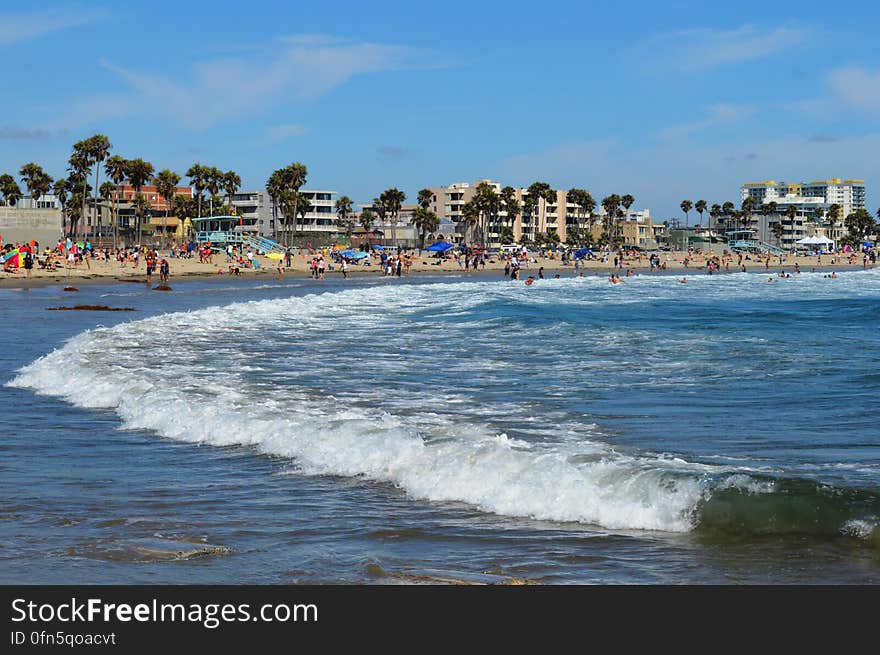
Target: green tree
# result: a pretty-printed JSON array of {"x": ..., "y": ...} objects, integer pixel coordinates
[
  {"x": 343, "y": 211},
  {"x": 393, "y": 199},
  {"x": 139, "y": 172},
  {"x": 79, "y": 165},
  {"x": 198, "y": 177},
  {"x": 700, "y": 206},
  {"x": 231, "y": 183},
  {"x": 10, "y": 190},
  {"x": 686, "y": 206},
  {"x": 166, "y": 182},
  {"x": 426, "y": 222},
  {"x": 512, "y": 208},
  {"x": 98, "y": 148},
  {"x": 426, "y": 197},
  {"x": 116, "y": 169},
  {"x": 860, "y": 224},
  {"x": 777, "y": 229},
  {"x": 60, "y": 190},
  {"x": 38, "y": 182},
  {"x": 368, "y": 219}
]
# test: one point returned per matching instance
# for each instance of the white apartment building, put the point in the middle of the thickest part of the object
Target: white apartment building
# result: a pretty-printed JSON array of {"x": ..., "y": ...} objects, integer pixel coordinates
[
  {"x": 806, "y": 197},
  {"x": 257, "y": 204}
]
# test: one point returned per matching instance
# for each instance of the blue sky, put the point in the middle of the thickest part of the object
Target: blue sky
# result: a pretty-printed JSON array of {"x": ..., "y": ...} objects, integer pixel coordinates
[{"x": 662, "y": 100}]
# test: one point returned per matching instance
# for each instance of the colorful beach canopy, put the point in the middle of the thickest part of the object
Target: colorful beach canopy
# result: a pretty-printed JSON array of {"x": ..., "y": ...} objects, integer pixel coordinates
[
  {"x": 440, "y": 246},
  {"x": 353, "y": 254}
]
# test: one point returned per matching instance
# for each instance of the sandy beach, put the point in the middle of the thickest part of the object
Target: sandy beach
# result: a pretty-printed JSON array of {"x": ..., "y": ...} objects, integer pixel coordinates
[{"x": 103, "y": 272}]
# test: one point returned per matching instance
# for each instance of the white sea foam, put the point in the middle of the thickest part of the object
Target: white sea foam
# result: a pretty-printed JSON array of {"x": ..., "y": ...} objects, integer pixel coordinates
[{"x": 181, "y": 376}]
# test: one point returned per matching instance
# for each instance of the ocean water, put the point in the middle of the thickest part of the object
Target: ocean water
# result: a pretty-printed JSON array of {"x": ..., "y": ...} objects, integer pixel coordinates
[{"x": 382, "y": 430}]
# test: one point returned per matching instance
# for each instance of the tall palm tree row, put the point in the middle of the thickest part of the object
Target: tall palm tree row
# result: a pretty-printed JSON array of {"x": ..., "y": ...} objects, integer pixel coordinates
[{"x": 700, "y": 206}]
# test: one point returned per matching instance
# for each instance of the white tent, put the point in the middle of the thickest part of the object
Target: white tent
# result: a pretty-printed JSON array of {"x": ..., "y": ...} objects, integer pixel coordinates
[{"x": 815, "y": 241}]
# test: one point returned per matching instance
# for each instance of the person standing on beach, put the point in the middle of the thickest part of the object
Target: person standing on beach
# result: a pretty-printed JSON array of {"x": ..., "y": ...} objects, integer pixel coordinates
[
  {"x": 164, "y": 271},
  {"x": 321, "y": 266},
  {"x": 344, "y": 268},
  {"x": 399, "y": 267},
  {"x": 280, "y": 268},
  {"x": 287, "y": 256}
]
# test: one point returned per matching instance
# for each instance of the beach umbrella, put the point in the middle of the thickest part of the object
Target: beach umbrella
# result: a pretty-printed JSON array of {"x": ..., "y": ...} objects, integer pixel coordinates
[
  {"x": 376, "y": 246},
  {"x": 274, "y": 255},
  {"x": 440, "y": 246}
]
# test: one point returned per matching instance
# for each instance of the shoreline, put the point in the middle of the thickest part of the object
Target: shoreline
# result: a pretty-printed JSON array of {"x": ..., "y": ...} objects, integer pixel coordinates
[{"x": 110, "y": 274}]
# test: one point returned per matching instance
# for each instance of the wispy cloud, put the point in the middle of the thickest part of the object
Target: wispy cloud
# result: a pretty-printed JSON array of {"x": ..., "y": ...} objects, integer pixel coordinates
[
  {"x": 705, "y": 49},
  {"x": 24, "y": 26},
  {"x": 283, "y": 132},
  {"x": 300, "y": 68},
  {"x": 24, "y": 133},
  {"x": 845, "y": 89},
  {"x": 719, "y": 114},
  {"x": 857, "y": 87}
]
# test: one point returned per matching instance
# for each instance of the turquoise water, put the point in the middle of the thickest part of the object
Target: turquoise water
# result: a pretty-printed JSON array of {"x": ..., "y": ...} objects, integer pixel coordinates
[{"x": 719, "y": 431}]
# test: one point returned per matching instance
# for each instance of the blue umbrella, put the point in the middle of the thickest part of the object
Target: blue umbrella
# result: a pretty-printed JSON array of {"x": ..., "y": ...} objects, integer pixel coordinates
[
  {"x": 581, "y": 253},
  {"x": 440, "y": 246},
  {"x": 376, "y": 246}
]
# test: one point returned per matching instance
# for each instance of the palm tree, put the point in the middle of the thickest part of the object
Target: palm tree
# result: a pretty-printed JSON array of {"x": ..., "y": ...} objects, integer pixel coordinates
[
  {"x": 488, "y": 204},
  {"x": 343, "y": 210},
  {"x": 686, "y": 206},
  {"x": 231, "y": 183},
  {"x": 610, "y": 204},
  {"x": 381, "y": 208},
  {"x": 198, "y": 175},
  {"x": 700, "y": 206},
  {"x": 166, "y": 184},
  {"x": 426, "y": 197},
  {"x": 367, "y": 220},
  {"x": 470, "y": 215},
  {"x": 393, "y": 199},
  {"x": 60, "y": 189},
  {"x": 511, "y": 205},
  {"x": 107, "y": 193},
  {"x": 714, "y": 213},
  {"x": 116, "y": 169},
  {"x": 98, "y": 148},
  {"x": 141, "y": 206},
  {"x": 777, "y": 229},
  {"x": 425, "y": 221},
  {"x": 213, "y": 180},
  {"x": 139, "y": 172},
  {"x": 292, "y": 179},
  {"x": 79, "y": 165},
  {"x": 275, "y": 187},
  {"x": 10, "y": 189},
  {"x": 37, "y": 181}
]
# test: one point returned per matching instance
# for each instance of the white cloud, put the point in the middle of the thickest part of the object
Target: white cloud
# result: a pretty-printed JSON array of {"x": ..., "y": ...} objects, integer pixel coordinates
[
  {"x": 858, "y": 87},
  {"x": 300, "y": 69},
  {"x": 705, "y": 49},
  {"x": 719, "y": 114},
  {"x": 17, "y": 27}
]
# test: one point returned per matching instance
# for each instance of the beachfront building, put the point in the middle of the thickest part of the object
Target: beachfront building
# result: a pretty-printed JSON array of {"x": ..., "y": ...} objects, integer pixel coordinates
[
  {"x": 807, "y": 197},
  {"x": 317, "y": 222},
  {"x": 556, "y": 217}
]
